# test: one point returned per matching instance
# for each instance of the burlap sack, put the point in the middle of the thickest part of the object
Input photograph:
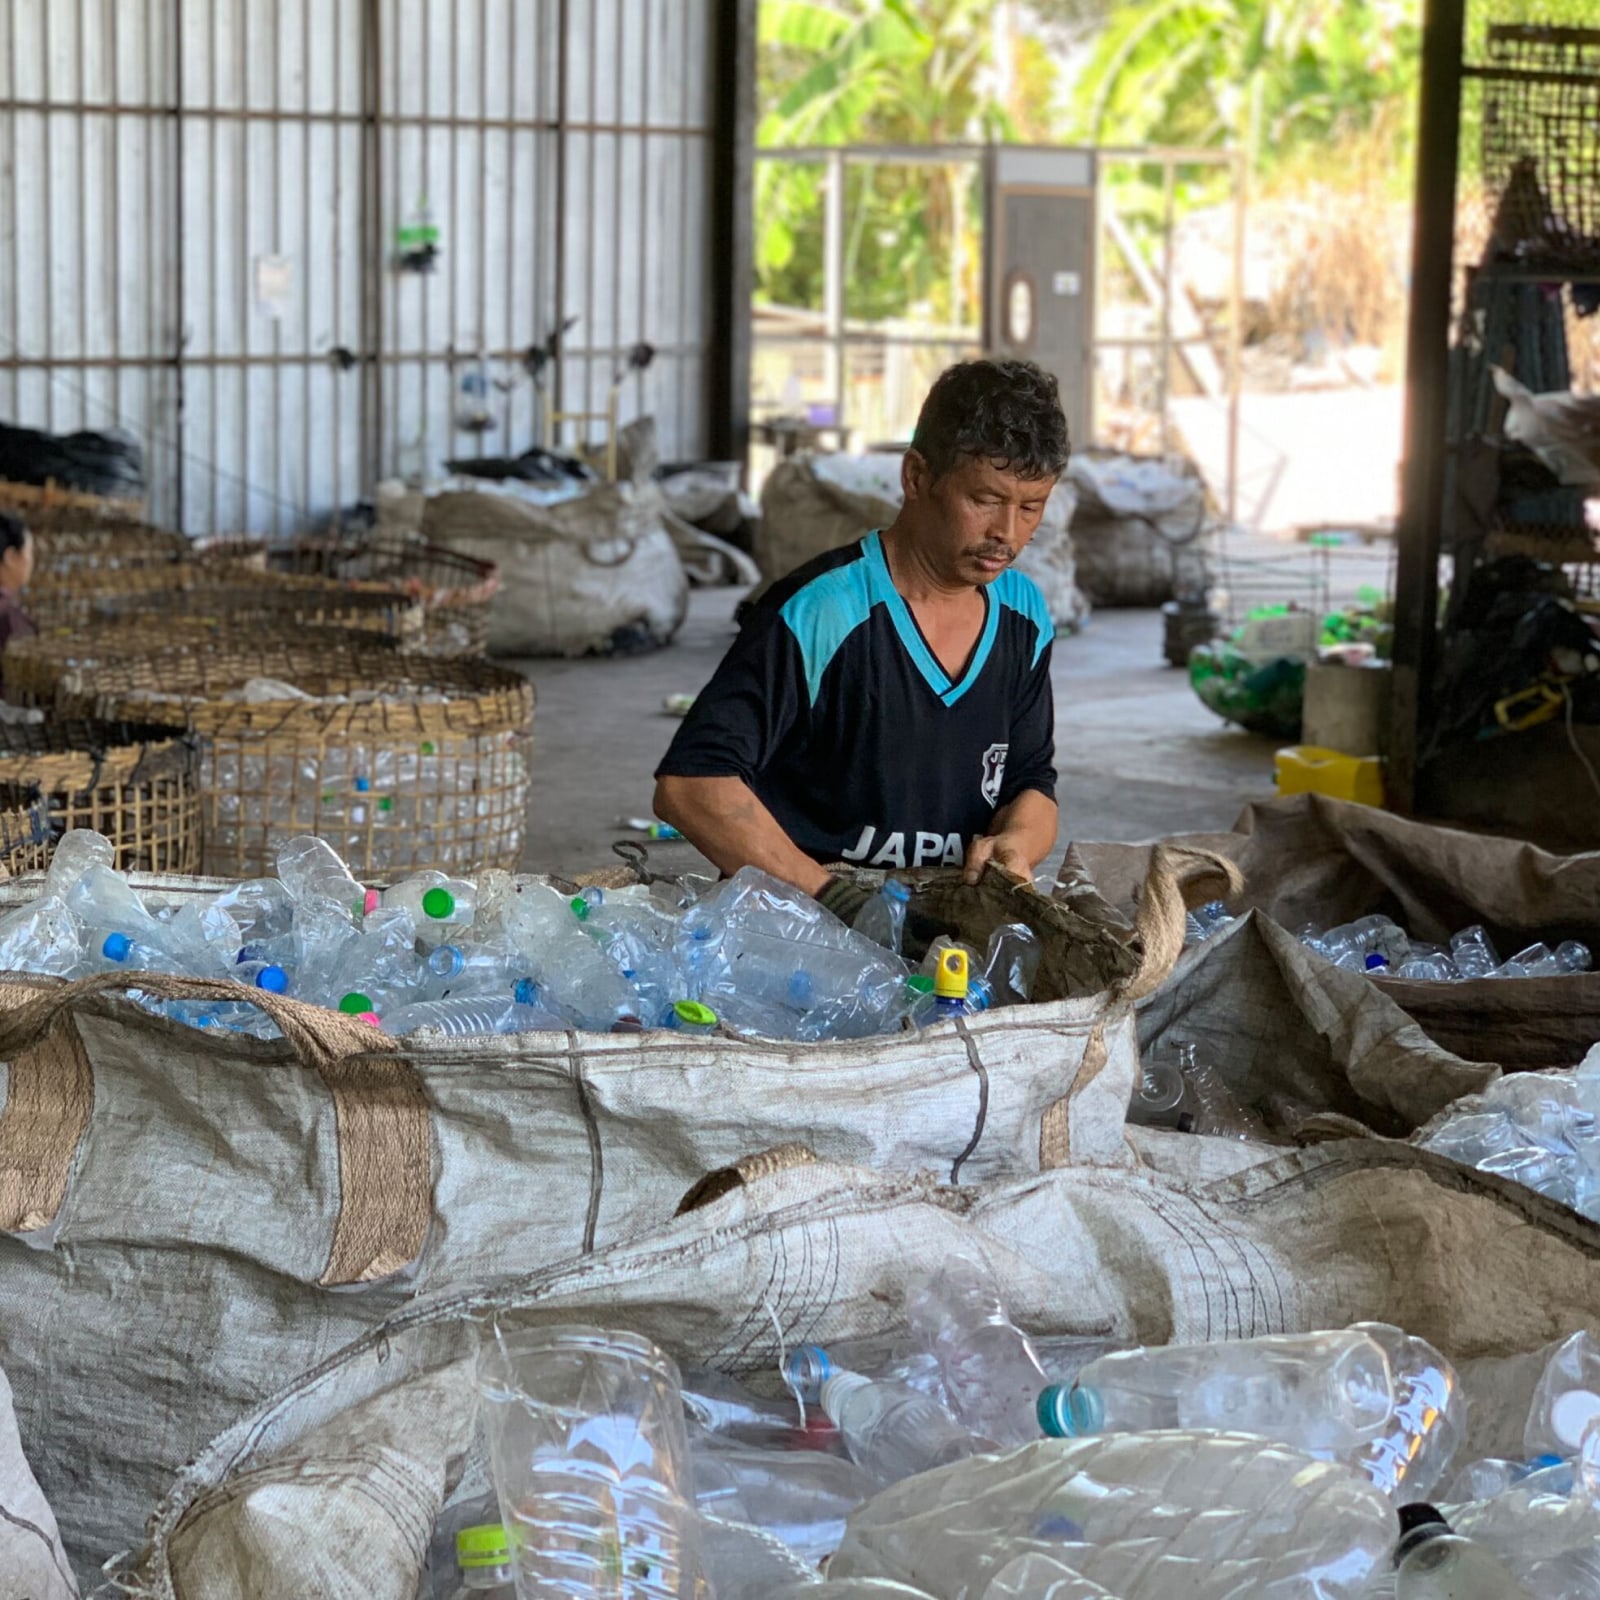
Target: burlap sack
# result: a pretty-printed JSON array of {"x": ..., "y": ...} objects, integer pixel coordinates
[
  {"x": 188, "y": 1218},
  {"x": 332, "y": 1488},
  {"x": 1310, "y": 860}
]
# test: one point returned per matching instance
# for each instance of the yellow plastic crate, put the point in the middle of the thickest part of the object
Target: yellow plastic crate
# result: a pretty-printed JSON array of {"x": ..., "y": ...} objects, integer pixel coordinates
[{"x": 1309, "y": 769}]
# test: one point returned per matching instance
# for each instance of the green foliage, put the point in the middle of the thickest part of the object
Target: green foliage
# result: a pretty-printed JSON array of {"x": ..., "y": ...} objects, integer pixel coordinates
[{"x": 1274, "y": 77}]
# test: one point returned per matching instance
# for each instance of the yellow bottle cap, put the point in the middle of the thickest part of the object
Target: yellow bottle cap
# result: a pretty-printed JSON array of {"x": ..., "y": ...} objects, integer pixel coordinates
[
  {"x": 485, "y": 1546},
  {"x": 950, "y": 976}
]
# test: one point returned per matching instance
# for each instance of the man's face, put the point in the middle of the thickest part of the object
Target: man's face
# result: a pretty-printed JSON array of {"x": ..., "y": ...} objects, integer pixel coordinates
[{"x": 975, "y": 520}]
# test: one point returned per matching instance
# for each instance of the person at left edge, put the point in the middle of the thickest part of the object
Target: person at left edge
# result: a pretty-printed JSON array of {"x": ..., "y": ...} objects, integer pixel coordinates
[{"x": 889, "y": 702}]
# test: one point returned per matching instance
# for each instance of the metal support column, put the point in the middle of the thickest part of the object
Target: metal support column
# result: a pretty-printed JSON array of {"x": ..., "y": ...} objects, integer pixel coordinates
[
  {"x": 1423, "y": 473},
  {"x": 733, "y": 74}
]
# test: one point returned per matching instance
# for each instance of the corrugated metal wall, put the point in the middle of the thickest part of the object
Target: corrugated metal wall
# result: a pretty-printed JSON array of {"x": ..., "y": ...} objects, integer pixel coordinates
[{"x": 200, "y": 202}]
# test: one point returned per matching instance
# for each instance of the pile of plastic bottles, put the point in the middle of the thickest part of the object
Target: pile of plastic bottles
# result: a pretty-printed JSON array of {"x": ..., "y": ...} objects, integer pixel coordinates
[
  {"x": 1381, "y": 947},
  {"x": 971, "y": 1462},
  {"x": 509, "y": 955},
  {"x": 1178, "y": 1088},
  {"x": 1540, "y": 1128}
]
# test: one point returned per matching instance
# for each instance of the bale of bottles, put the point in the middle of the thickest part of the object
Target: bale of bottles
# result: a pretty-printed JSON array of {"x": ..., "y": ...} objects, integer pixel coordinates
[
  {"x": 402, "y": 763},
  {"x": 1227, "y": 1394},
  {"x": 456, "y": 590},
  {"x": 137, "y": 784}
]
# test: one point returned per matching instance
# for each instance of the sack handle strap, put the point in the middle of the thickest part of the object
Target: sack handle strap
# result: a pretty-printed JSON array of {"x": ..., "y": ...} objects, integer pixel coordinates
[{"x": 380, "y": 1113}]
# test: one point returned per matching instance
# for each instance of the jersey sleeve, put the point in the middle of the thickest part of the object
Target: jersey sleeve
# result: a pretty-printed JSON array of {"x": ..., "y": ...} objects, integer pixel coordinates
[
  {"x": 1031, "y": 761},
  {"x": 753, "y": 703}
]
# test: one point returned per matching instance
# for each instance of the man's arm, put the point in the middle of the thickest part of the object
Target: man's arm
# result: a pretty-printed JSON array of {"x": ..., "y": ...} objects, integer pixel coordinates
[
  {"x": 725, "y": 821},
  {"x": 1020, "y": 837}
]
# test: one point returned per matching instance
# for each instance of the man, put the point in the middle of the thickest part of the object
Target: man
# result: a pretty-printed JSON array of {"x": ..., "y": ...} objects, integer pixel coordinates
[{"x": 889, "y": 702}]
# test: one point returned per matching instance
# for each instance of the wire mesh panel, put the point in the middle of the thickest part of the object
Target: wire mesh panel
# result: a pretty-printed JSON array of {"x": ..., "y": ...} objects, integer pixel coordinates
[
  {"x": 1541, "y": 136},
  {"x": 134, "y": 783},
  {"x": 401, "y": 762}
]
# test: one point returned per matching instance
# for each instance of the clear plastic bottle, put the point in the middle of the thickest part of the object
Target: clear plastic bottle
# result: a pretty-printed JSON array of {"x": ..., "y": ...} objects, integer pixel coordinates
[
  {"x": 313, "y": 873},
  {"x": 573, "y": 973},
  {"x": 801, "y": 1496},
  {"x": 1010, "y": 964},
  {"x": 883, "y": 918},
  {"x": 1473, "y": 954},
  {"x": 1566, "y": 1403},
  {"x": 990, "y": 1368},
  {"x": 483, "y": 1555},
  {"x": 266, "y": 975},
  {"x": 471, "y": 1016},
  {"x": 43, "y": 936},
  {"x": 1433, "y": 1563},
  {"x": 1411, "y": 1456},
  {"x": 1350, "y": 944},
  {"x": 440, "y": 907},
  {"x": 1216, "y": 1110},
  {"x": 1159, "y": 1093},
  {"x": 78, "y": 850},
  {"x": 455, "y": 969},
  {"x": 1329, "y": 1391},
  {"x": 890, "y": 1431}
]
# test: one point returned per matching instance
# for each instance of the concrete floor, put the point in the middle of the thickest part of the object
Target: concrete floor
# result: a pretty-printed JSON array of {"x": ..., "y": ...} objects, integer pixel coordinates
[{"x": 1139, "y": 756}]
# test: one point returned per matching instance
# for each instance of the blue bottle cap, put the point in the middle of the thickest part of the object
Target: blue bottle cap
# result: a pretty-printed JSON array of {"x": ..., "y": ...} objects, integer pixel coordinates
[
  {"x": 897, "y": 889},
  {"x": 117, "y": 947},
  {"x": 1068, "y": 1411},
  {"x": 526, "y": 992},
  {"x": 363, "y": 785},
  {"x": 807, "y": 1368},
  {"x": 273, "y": 979},
  {"x": 1375, "y": 960},
  {"x": 802, "y": 990}
]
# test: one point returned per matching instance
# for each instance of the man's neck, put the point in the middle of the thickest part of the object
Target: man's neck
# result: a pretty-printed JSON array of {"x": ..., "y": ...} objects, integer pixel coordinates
[{"x": 910, "y": 573}]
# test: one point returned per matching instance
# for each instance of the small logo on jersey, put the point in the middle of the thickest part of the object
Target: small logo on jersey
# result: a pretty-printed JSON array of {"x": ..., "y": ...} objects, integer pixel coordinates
[{"x": 994, "y": 772}]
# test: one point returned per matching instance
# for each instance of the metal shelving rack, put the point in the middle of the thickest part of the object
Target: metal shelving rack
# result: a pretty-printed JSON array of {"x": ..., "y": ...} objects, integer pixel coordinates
[{"x": 1536, "y": 93}]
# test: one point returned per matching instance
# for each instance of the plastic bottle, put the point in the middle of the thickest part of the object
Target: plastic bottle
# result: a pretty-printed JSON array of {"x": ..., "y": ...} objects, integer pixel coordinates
[
  {"x": 1566, "y": 1403},
  {"x": 313, "y": 873},
  {"x": 455, "y": 969},
  {"x": 800, "y": 1496},
  {"x": 1350, "y": 944},
  {"x": 266, "y": 975},
  {"x": 571, "y": 970},
  {"x": 471, "y": 1016},
  {"x": 1216, "y": 1110},
  {"x": 1317, "y": 1391},
  {"x": 439, "y": 906},
  {"x": 883, "y": 918},
  {"x": 990, "y": 1368},
  {"x": 43, "y": 936},
  {"x": 1473, "y": 954},
  {"x": 78, "y": 850},
  {"x": 1411, "y": 1456},
  {"x": 483, "y": 1555},
  {"x": 1010, "y": 964},
  {"x": 1158, "y": 1097},
  {"x": 890, "y": 1431},
  {"x": 1433, "y": 1563}
]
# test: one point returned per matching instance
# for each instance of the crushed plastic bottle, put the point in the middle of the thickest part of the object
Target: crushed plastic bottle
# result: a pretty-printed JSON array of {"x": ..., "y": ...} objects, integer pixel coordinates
[
  {"x": 883, "y": 918},
  {"x": 1410, "y": 1457},
  {"x": 472, "y": 1015},
  {"x": 990, "y": 1369},
  {"x": 1329, "y": 1391}
]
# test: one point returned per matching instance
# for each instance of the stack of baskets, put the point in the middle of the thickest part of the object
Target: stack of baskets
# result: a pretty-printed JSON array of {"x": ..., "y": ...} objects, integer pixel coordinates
[
  {"x": 455, "y": 590},
  {"x": 402, "y": 762},
  {"x": 135, "y": 782}
]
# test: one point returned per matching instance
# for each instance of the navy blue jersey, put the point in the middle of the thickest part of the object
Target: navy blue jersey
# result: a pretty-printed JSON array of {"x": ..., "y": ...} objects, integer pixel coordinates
[{"x": 831, "y": 706}]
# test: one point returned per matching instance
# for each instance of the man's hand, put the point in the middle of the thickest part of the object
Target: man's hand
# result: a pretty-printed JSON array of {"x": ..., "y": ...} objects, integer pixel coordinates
[
  {"x": 1006, "y": 851},
  {"x": 1024, "y": 833}
]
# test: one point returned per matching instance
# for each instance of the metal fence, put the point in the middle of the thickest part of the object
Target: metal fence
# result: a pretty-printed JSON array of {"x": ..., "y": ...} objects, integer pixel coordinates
[{"x": 212, "y": 213}]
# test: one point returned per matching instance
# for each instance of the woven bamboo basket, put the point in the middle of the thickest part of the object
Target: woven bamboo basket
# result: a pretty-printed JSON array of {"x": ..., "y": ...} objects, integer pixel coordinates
[
  {"x": 136, "y": 783},
  {"x": 456, "y": 590},
  {"x": 239, "y": 600},
  {"x": 401, "y": 762},
  {"x": 26, "y": 842},
  {"x": 65, "y": 546},
  {"x": 46, "y": 505}
]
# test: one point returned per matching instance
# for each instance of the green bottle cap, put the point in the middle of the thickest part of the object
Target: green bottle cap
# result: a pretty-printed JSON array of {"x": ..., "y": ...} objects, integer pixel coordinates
[
  {"x": 694, "y": 1015},
  {"x": 580, "y": 907},
  {"x": 428, "y": 747},
  {"x": 920, "y": 983},
  {"x": 386, "y": 803},
  {"x": 355, "y": 1003},
  {"x": 438, "y": 904},
  {"x": 477, "y": 1548}
]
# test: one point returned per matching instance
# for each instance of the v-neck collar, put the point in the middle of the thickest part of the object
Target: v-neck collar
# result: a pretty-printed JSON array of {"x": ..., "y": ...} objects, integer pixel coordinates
[{"x": 883, "y": 591}]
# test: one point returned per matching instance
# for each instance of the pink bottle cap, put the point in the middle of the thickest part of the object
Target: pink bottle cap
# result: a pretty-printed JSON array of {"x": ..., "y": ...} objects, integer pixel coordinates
[
  {"x": 370, "y": 1018},
  {"x": 370, "y": 902}
]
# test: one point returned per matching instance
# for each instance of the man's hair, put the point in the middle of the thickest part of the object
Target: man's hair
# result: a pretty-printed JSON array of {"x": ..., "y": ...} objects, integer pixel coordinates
[
  {"x": 1005, "y": 412},
  {"x": 13, "y": 532}
]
